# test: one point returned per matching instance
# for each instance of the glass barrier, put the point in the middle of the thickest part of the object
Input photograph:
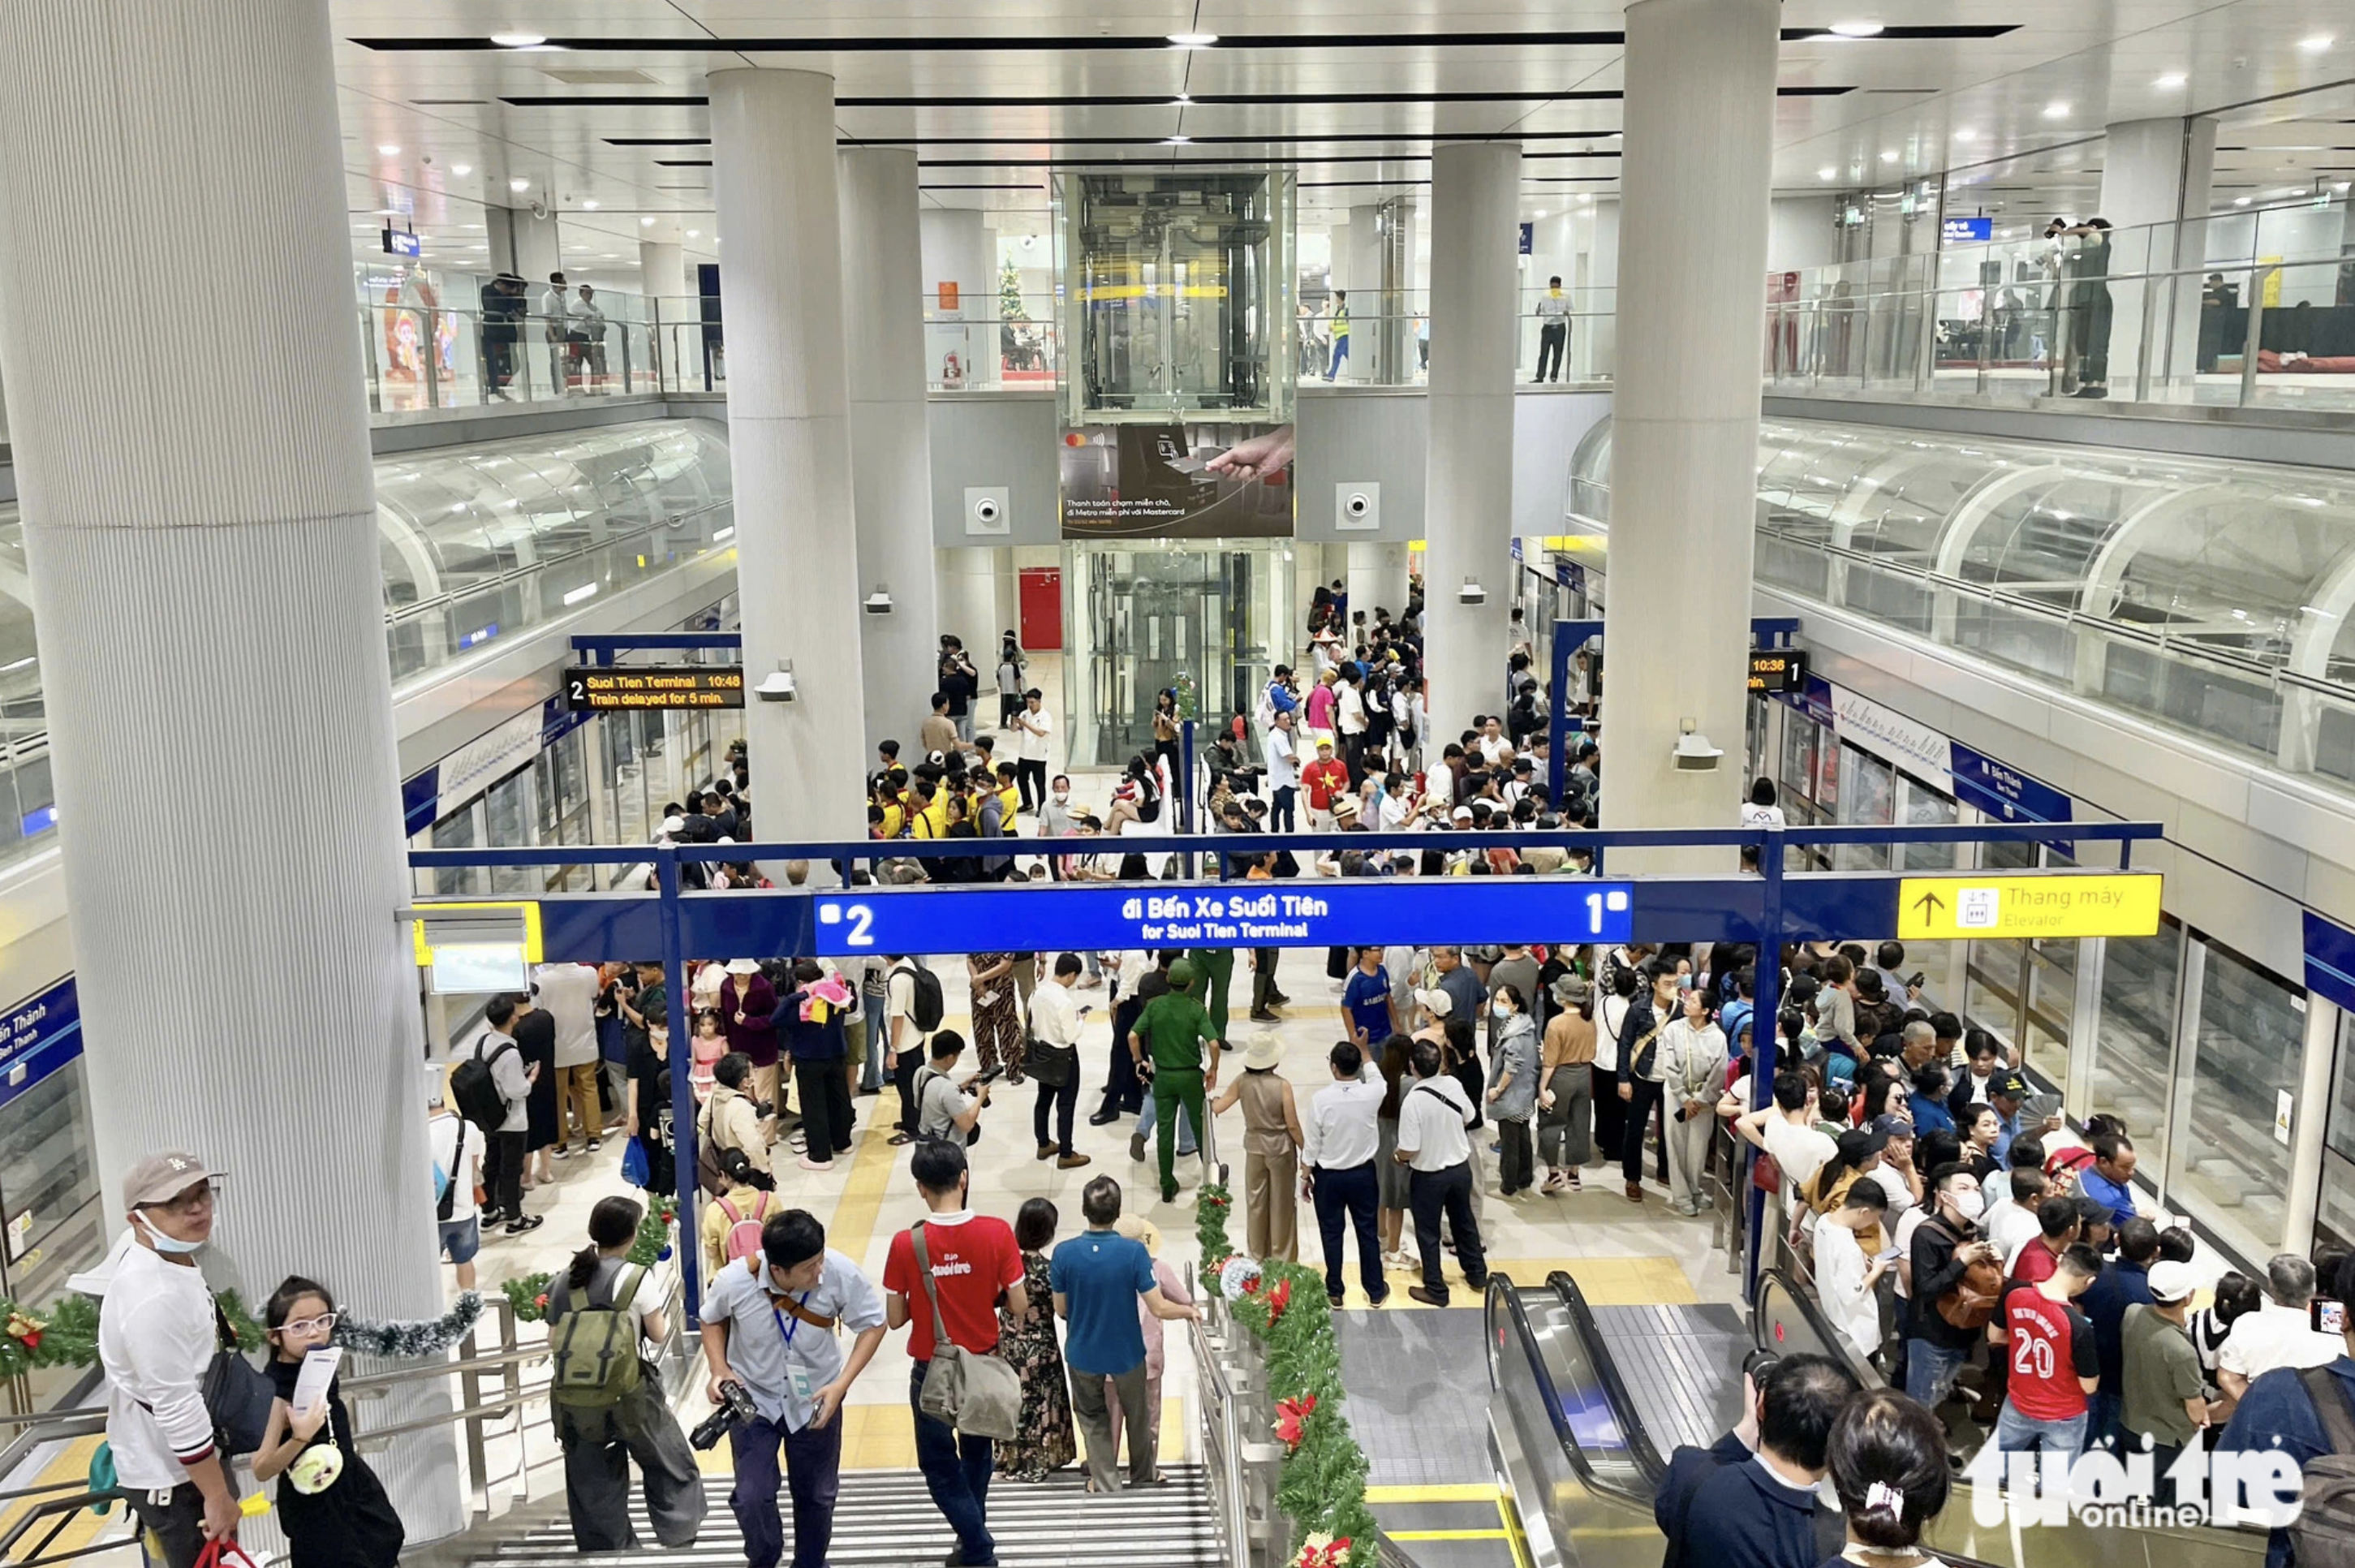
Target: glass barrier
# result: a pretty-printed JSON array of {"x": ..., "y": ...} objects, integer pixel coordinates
[
  {"x": 2253, "y": 308},
  {"x": 478, "y": 543},
  {"x": 420, "y": 359}
]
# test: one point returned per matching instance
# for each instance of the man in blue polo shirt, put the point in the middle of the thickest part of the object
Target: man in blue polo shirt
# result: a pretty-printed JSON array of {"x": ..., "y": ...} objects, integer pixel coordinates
[
  {"x": 1366, "y": 1001},
  {"x": 1098, "y": 1278},
  {"x": 2110, "y": 1178}
]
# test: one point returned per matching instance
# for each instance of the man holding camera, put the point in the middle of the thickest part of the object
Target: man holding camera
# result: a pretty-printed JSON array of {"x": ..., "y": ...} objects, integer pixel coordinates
[{"x": 779, "y": 1374}]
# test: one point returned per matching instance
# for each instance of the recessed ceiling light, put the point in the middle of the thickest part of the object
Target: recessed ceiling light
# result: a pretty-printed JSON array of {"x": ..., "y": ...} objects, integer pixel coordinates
[
  {"x": 646, "y": 223},
  {"x": 1175, "y": 141},
  {"x": 1889, "y": 156},
  {"x": 2056, "y": 111},
  {"x": 1193, "y": 40},
  {"x": 694, "y": 234},
  {"x": 519, "y": 40},
  {"x": 1541, "y": 217},
  {"x": 2315, "y": 45},
  {"x": 1827, "y": 173},
  {"x": 1967, "y": 135},
  {"x": 462, "y": 170},
  {"x": 518, "y": 185},
  {"x": 2342, "y": 187},
  {"x": 588, "y": 206},
  {"x": 1857, "y": 29},
  {"x": 390, "y": 150},
  {"x": 2173, "y": 78},
  {"x": 2240, "y": 201}
]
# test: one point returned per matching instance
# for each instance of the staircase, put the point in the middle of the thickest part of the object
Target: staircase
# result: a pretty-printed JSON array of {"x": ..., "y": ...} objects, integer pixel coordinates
[{"x": 886, "y": 1517}]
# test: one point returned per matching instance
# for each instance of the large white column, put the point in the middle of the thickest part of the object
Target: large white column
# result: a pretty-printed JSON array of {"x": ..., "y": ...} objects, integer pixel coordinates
[
  {"x": 891, "y": 446},
  {"x": 211, "y": 625},
  {"x": 1468, "y": 502},
  {"x": 2157, "y": 172},
  {"x": 1366, "y": 236},
  {"x": 662, "y": 270},
  {"x": 1377, "y": 577},
  {"x": 1684, "y": 459},
  {"x": 789, "y": 444}
]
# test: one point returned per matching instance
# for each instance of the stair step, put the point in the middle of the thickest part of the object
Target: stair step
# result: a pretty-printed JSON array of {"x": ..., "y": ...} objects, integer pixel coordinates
[{"x": 886, "y": 1519}]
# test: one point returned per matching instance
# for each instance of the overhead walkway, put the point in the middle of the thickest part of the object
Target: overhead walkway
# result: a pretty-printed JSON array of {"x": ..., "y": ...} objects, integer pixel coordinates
[{"x": 1587, "y": 1403}]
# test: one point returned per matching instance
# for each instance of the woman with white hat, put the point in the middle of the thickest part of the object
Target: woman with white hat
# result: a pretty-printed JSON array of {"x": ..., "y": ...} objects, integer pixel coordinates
[
  {"x": 1566, "y": 1101},
  {"x": 1271, "y": 1139}
]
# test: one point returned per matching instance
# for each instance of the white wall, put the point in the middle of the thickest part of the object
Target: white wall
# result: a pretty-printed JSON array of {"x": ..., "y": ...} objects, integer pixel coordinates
[{"x": 1799, "y": 233}]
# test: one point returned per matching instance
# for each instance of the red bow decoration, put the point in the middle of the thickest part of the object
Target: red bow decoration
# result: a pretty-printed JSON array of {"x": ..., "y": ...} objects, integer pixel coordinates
[
  {"x": 1277, "y": 1300},
  {"x": 1323, "y": 1551},
  {"x": 1292, "y": 1420},
  {"x": 26, "y": 1331}
]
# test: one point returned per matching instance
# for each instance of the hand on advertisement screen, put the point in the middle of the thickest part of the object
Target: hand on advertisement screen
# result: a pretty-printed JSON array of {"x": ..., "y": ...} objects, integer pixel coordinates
[{"x": 1261, "y": 455}]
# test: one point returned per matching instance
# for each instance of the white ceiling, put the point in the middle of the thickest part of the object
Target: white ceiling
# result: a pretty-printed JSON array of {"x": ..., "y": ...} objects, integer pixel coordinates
[{"x": 2024, "y": 109}]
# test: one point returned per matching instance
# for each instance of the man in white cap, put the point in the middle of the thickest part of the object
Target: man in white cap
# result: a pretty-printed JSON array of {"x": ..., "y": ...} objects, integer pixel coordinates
[
  {"x": 2164, "y": 1400},
  {"x": 155, "y": 1340}
]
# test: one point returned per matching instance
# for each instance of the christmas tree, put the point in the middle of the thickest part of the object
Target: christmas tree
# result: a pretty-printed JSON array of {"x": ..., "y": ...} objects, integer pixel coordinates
[{"x": 1009, "y": 293}]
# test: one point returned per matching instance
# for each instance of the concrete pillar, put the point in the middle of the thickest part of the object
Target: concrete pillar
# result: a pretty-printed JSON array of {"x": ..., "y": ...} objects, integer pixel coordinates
[
  {"x": 970, "y": 604},
  {"x": 789, "y": 446},
  {"x": 1468, "y": 502},
  {"x": 210, "y": 610},
  {"x": 1600, "y": 282},
  {"x": 1377, "y": 578},
  {"x": 890, "y": 446},
  {"x": 673, "y": 319},
  {"x": 2157, "y": 172},
  {"x": 1366, "y": 296},
  {"x": 1685, "y": 434},
  {"x": 959, "y": 249},
  {"x": 662, "y": 271}
]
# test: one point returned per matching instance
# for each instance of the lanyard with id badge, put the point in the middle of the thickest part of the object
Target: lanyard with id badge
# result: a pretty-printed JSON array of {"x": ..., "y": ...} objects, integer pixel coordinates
[{"x": 798, "y": 1376}]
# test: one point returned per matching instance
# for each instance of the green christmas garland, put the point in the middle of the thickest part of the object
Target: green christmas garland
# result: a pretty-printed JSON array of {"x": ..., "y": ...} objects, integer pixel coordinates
[
  {"x": 529, "y": 1295},
  {"x": 68, "y": 1335},
  {"x": 1321, "y": 1486}
]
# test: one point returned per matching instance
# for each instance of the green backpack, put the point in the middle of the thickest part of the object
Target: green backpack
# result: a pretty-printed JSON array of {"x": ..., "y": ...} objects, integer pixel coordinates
[{"x": 596, "y": 1345}]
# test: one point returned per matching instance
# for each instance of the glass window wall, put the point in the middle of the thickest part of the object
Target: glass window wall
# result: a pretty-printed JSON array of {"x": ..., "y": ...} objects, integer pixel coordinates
[{"x": 2227, "y": 1169}]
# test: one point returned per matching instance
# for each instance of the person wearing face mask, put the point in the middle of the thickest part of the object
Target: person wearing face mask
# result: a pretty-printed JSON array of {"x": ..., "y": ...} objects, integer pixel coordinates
[
  {"x": 1955, "y": 1277},
  {"x": 1693, "y": 1059},
  {"x": 155, "y": 1340},
  {"x": 1512, "y": 1085}
]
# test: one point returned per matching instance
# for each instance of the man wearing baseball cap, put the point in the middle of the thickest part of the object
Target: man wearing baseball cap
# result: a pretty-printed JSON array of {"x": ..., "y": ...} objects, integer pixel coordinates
[
  {"x": 1174, "y": 1027},
  {"x": 2164, "y": 1395},
  {"x": 155, "y": 1340}
]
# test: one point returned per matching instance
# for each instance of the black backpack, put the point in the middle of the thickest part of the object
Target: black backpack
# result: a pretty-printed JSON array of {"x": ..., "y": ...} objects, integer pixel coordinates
[
  {"x": 925, "y": 1008},
  {"x": 475, "y": 1092}
]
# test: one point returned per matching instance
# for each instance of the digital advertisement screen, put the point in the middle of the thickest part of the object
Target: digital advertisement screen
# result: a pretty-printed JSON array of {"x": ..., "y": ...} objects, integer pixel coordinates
[{"x": 1189, "y": 480}]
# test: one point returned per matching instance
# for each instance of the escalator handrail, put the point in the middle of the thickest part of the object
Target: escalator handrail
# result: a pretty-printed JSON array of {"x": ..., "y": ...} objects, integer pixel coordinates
[
  {"x": 1505, "y": 1296},
  {"x": 1640, "y": 1446},
  {"x": 1835, "y": 1343}
]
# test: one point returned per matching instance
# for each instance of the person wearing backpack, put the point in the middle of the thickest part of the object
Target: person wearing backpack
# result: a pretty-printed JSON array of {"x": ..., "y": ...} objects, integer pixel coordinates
[
  {"x": 608, "y": 1402},
  {"x": 771, "y": 1325},
  {"x": 493, "y": 1088},
  {"x": 732, "y": 1219},
  {"x": 457, "y": 1177},
  {"x": 729, "y": 1121},
  {"x": 912, "y": 1010},
  {"x": 2308, "y": 1415},
  {"x": 1956, "y": 1280}
]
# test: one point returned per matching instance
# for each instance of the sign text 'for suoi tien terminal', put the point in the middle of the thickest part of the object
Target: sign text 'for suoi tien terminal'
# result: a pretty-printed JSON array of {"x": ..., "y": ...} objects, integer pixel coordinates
[{"x": 653, "y": 686}]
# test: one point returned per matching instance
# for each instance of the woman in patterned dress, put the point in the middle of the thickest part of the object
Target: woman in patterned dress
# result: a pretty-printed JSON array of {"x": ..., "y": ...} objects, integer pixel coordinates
[
  {"x": 1048, "y": 1442},
  {"x": 997, "y": 1010}
]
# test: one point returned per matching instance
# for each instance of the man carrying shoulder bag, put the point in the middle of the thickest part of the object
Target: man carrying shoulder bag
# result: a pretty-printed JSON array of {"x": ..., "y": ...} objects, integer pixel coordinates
[{"x": 961, "y": 1263}]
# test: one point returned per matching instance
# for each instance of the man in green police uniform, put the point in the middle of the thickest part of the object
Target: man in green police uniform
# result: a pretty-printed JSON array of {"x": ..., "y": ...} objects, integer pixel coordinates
[
  {"x": 1217, "y": 967},
  {"x": 1176, "y": 1026}
]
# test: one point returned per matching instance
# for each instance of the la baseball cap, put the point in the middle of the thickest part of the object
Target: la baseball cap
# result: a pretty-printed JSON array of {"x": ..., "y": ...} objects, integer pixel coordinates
[
  {"x": 160, "y": 1177},
  {"x": 2171, "y": 1282}
]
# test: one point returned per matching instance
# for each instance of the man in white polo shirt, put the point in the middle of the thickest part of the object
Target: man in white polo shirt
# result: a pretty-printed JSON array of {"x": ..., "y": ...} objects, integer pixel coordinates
[
  {"x": 2279, "y": 1333},
  {"x": 155, "y": 1339},
  {"x": 1431, "y": 1142}
]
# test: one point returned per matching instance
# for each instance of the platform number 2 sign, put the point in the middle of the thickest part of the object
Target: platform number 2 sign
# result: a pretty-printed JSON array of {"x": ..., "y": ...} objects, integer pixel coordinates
[{"x": 861, "y": 919}]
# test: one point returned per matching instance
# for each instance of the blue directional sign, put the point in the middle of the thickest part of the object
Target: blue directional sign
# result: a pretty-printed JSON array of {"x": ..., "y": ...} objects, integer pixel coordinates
[{"x": 1336, "y": 913}]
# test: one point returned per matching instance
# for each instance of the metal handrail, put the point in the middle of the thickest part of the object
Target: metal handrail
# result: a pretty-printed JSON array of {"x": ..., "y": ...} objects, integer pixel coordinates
[
  {"x": 62, "y": 1509},
  {"x": 1222, "y": 1432}
]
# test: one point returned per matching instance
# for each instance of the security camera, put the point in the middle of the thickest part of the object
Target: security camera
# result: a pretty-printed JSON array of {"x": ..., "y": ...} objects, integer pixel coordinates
[
  {"x": 778, "y": 686},
  {"x": 1472, "y": 592},
  {"x": 1693, "y": 752},
  {"x": 1358, "y": 504},
  {"x": 880, "y": 602}
]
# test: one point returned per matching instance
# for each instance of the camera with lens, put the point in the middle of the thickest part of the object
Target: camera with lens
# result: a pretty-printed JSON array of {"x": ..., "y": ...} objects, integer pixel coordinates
[{"x": 735, "y": 1410}]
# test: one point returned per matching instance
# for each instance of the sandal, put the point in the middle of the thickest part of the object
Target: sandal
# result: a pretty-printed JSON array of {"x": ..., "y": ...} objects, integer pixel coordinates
[{"x": 898, "y": 1139}]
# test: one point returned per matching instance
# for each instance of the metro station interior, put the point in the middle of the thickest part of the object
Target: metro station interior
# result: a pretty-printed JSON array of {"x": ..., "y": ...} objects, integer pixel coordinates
[{"x": 1888, "y": 471}]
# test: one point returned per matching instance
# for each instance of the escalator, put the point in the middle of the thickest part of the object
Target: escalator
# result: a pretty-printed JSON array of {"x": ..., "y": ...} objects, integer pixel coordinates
[{"x": 1586, "y": 1405}]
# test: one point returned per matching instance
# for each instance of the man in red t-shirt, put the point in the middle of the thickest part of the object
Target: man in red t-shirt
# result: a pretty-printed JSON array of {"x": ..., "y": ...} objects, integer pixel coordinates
[
  {"x": 2039, "y": 1257},
  {"x": 973, "y": 1259},
  {"x": 2050, "y": 1363},
  {"x": 1321, "y": 781}
]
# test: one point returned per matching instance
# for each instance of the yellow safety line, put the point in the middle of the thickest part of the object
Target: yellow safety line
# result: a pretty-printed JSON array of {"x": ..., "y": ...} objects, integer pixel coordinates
[
  {"x": 1515, "y": 1541},
  {"x": 1452, "y": 1492}
]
